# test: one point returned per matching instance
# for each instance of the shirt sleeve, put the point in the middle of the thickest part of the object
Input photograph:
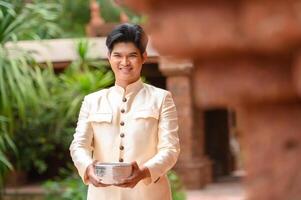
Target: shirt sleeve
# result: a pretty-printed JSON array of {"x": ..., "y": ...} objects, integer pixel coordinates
[
  {"x": 81, "y": 145},
  {"x": 168, "y": 147}
]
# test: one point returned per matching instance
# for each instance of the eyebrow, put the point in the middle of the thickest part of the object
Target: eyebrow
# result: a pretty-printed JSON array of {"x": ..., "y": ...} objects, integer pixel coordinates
[{"x": 131, "y": 53}]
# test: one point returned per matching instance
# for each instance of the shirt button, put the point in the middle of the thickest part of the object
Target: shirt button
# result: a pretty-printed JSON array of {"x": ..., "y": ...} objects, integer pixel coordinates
[
  {"x": 122, "y": 135},
  {"x": 124, "y": 99},
  {"x": 122, "y": 110},
  {"x": 121, "y": 148},
  {"x": 120, "y": 160},
  {"x": 122, "y": 123}
]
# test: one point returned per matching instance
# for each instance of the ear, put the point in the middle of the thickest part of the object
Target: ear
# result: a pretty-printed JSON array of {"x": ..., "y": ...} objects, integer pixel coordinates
[
  {"x": 144, "y": 56},
  {"x": 109, "y": 56}
]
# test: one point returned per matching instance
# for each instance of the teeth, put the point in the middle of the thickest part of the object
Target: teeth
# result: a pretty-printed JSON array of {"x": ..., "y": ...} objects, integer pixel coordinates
[{"x": 126, "y": 69}]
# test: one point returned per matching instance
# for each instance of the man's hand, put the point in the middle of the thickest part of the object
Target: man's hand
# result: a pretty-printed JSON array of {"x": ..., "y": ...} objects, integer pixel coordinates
[
  {"x": 137, "y": 175},
  {"x": 92, "y": 177}
]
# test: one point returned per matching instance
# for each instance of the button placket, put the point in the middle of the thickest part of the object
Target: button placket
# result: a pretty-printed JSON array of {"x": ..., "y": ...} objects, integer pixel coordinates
[
  {"x": 122, "y": 124},
  {"x": 121, "y": 151}
]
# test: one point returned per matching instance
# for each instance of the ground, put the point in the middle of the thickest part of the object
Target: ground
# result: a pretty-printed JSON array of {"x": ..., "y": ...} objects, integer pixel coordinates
[{"x": 232, "y": 190}]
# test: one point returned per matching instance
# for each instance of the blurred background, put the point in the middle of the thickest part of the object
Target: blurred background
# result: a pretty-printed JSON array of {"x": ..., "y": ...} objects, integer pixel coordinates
[{"x": 52, "y": 54}]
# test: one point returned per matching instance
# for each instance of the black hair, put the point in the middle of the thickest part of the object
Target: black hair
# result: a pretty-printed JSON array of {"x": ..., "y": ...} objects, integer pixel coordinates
[{"x": 127, "y": 33}]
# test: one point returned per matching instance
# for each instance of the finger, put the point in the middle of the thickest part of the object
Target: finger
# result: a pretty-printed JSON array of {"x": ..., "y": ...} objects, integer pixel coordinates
[
  {"x": 93, "y": 163},
  {"x": 129, "y": 179},
  {"x": 135, "y": 165},
  {"x": 131, "y": 185},
  {"x": 95, "y": 182},
  {"x": 95, "y": 177},
  {"x": 121, "y": 185},
  {"x": 98, "y": 183},
  {"x": 104, "y": 184},
  {"x": 101, "y": 184},
  {"x": 124, "y": 182},
  {"x": 124, "y": 185}
]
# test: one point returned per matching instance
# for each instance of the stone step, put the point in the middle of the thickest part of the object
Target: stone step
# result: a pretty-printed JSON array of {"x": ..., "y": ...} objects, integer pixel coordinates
[
  {"x": 30, "y": 192},
  {"x": 23, "y": 197}
]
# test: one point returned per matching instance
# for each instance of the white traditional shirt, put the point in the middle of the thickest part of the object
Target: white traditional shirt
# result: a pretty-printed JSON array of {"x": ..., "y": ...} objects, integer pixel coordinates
[{"x": 139, "y": 124}]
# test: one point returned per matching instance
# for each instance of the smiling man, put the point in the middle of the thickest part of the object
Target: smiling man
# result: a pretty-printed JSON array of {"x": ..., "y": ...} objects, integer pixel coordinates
[{"x": 131, "y": 122}]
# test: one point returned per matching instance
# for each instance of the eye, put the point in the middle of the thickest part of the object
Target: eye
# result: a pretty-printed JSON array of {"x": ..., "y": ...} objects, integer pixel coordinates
[
  {"x": 116, "y": 55},
  {"x": 133, "y": 56}
]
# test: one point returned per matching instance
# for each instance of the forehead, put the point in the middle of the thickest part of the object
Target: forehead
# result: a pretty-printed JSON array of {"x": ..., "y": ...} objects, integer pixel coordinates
[{"x": 125, "y": 47}]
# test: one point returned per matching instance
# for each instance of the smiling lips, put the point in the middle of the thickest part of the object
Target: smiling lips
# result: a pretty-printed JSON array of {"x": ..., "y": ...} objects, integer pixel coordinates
[{"x": 125, "y": 69}]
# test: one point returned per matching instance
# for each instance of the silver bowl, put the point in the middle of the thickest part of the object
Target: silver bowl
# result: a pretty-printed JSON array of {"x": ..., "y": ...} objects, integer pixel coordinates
[{"x": 113, "y": 173}]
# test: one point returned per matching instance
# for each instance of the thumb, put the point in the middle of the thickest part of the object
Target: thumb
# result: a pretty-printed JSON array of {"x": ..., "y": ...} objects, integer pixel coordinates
[{"x": 135, "y": 165}]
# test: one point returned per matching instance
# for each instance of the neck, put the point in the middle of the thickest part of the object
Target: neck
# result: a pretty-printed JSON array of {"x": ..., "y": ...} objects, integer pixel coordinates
[{"x": 124, "y": 84}]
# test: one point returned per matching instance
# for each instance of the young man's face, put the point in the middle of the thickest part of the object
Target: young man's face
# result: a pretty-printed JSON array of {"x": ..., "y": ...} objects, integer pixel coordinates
[{"x": 126, "y": 62}]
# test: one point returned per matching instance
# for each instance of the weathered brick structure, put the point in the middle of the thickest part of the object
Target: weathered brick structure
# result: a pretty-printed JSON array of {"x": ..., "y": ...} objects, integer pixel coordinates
[
  {"x": 193, "y": 166},
  {"x": 245, "y": 56}
]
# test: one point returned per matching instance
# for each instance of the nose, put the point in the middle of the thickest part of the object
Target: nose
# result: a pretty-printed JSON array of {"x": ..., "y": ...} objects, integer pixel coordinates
[{"x": 125, "y": 61}]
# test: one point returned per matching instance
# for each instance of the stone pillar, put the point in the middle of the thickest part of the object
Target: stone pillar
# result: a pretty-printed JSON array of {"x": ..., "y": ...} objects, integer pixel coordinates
[
  {"x": 96, "y": 22},
  {"x": 97, "y": 27},
  {"x": 193, "y": 166},
  {"x": 272, "y": 141},
  {"x": 269, "y": 113}
]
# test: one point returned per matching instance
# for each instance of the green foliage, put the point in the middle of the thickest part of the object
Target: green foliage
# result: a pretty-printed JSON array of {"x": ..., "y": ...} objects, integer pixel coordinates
[
  {"x": 17, "y": 77},
  {"x": 20, "y": 20},
  {"x": 177, "y": 188},
  {"x": 109, "y": 11},
  {"x": 72, "y": 188},
  {"x": 6, "y": 144},
  {"x": 51, "y": 128},
  {"x": 18, "y": 86},
  {"x": 75, "y": 15}
]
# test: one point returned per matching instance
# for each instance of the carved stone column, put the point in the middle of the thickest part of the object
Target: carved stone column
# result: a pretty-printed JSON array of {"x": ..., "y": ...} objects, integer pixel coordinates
[
  {"x": 96, "y": 21},
  {"x": 193, "y": 166},
  {"x": 262, "y": 92}
]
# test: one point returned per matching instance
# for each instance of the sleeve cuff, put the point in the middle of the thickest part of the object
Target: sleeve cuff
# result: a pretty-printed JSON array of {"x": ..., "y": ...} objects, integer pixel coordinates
[
  {"x": 154, "y": 176},
  {"x": 82, "y": 173}
]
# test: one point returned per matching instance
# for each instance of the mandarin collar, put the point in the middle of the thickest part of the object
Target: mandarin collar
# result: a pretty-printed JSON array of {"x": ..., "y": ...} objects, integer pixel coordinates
[{"x": 131, "y": 88}]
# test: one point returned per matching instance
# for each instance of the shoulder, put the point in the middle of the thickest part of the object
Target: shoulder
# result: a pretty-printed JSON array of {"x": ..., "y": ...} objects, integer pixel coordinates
[
  {"x": 96, "y": 95},
  {"x": 156, "y": 91}
]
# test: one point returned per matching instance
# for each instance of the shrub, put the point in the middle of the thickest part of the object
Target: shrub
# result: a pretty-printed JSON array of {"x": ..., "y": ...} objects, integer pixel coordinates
[
  {"x": 51, "y": 128},
  {"x": 19, "y": 88}
]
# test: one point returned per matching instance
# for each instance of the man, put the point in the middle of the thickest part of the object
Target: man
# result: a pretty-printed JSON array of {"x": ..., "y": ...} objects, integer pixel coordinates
[{"x": 130, "y": 122}]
